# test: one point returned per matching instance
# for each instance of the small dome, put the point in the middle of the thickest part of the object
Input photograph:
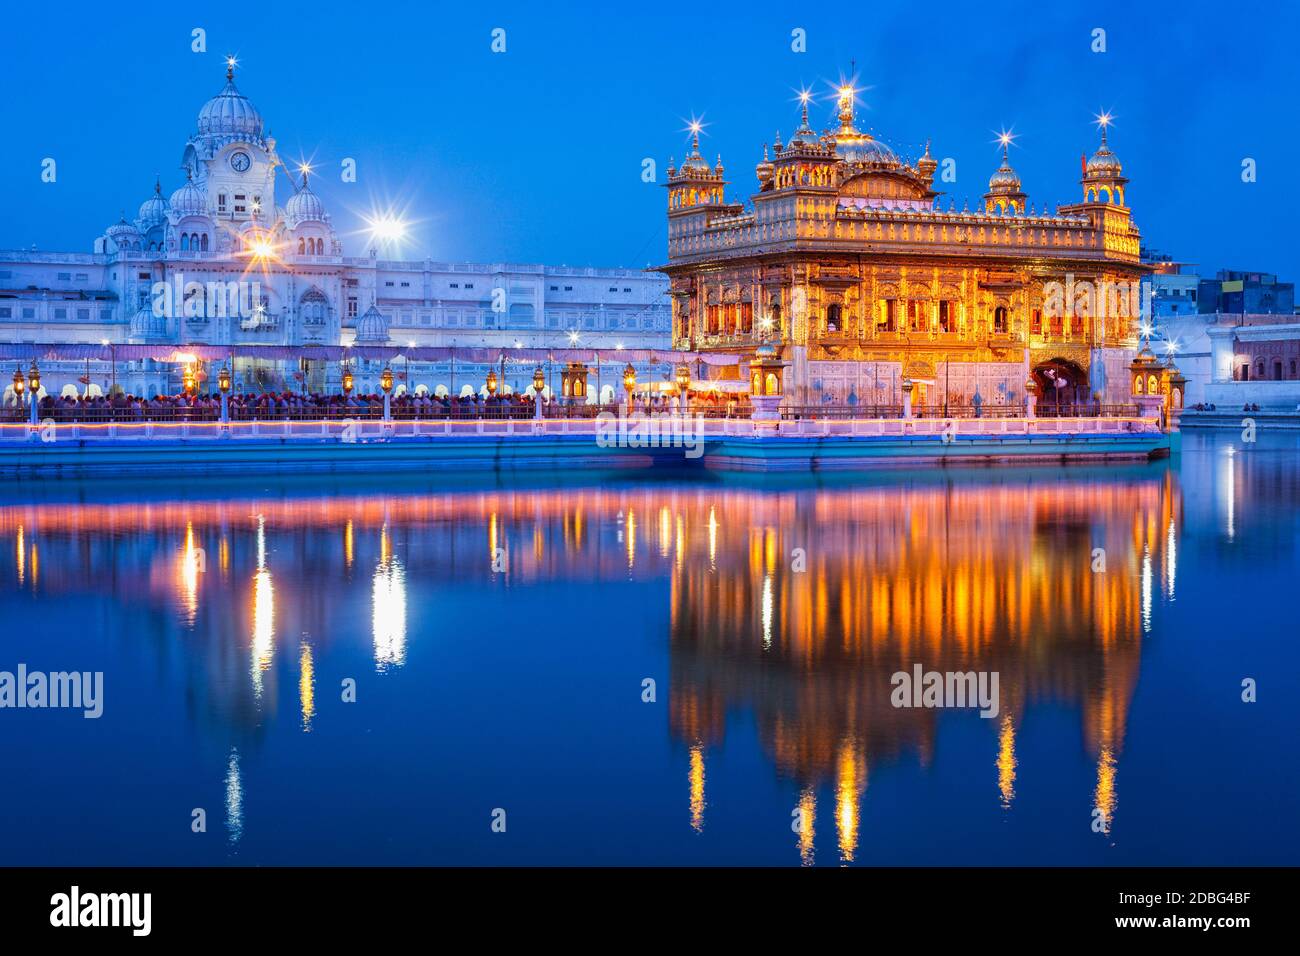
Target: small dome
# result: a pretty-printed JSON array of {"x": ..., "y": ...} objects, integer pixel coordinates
[
  {"x": 764, "y": 169},
  {"x": 863, "y": 148},
  {"x": 189, "y": 200},
  {"x": 122, "y": 232},
  {"x": 153, "y": 211},
  {"x": 1104, "y": 163},
  {"x": 146, "y": 325},
  {"x": 1004, "y": 179},
  {"x": 372, "y": 326},
  {"x": 303, "y": 206},
  {"x": 927, "y": 164},
  {"x": 230, "y": 113}
]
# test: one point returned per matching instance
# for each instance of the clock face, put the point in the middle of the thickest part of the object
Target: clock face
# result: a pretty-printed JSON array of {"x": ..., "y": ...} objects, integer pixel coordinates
[{"x": 239, "y": 161}]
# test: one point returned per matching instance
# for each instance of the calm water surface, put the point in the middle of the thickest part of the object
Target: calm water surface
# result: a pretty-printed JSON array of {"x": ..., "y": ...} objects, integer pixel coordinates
[{"x": 499, "y": 635}]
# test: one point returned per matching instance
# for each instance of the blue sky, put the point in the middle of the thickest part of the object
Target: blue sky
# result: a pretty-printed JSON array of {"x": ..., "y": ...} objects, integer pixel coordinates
[{"x": 535, "y": 155}]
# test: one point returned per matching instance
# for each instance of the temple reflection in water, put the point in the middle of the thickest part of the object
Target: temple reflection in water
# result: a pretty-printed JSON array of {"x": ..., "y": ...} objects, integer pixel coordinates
[
  {"x": 796, "y": 606},
  {"x": 1039, "y": 583}
]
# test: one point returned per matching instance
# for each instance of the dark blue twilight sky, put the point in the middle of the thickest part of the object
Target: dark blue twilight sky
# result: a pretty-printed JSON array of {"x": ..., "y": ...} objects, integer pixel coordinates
[{"x": 535, "y": 155}]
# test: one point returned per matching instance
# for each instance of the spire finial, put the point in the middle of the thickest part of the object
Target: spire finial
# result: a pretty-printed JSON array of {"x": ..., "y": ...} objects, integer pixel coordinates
[
  {"x": 695, "y": 127},
  {"x": 230, "y": 69},
  {"x": 846, "y": 105},
  {"x": 1104, "y": 119},
  {"x": 157, "y": 185}
]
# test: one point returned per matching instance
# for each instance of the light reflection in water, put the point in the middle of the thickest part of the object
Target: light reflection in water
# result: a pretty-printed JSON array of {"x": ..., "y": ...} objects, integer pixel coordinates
[
  {"x": 234, "y": 799},
  {"x": 806, "y": 823},
  {"x": 388, "y": 619},
  {"x": 306, "y": 686},
  {"x": 1171, "y": 556},
  {"x": 697, "y": 788},
  {"x": 848, "y": 799},
  {"x": 1105, "y": 799},
  {"x": 191, "y": 566},
  {"x": 263, "y": 613},
  {"x": 991, "y": 576},
  {"x": 1007, "y": 762}
]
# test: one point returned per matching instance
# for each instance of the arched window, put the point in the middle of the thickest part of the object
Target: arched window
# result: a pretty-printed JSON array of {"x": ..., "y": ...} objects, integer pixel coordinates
[
  {"x": 302, "y": 245},
  {"x": 314, "y": 309},
  {"x": 1277, "y": 369},
  {"x": 834, "y": 316},
  {"x": 185, "y": 242},
  {"x": 1000, "y": 319},
  {"x": 205, "y": 242},
  {"x": 1259, "y": 369}
]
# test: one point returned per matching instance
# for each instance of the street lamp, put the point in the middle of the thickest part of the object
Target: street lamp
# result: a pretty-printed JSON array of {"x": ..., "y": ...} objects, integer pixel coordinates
[
  {"x": 20, "y": 383},
  {"x": 187, "y": 380},
  {"x": 629, "y": 381},
  {"x": 347, "y": 380},
  {"x": 386, "y": 384},
  {"x": 491, "y": 383},
  {"x": 223, "y": 386},
  {"x": 539, "y": 381},
  {"x": 683, "y": 377},
  {"x": 34, "y": 378}
]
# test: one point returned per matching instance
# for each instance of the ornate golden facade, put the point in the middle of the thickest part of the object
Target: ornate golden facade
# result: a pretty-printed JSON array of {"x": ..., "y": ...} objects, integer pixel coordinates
[{"x": 845, "y": 260}]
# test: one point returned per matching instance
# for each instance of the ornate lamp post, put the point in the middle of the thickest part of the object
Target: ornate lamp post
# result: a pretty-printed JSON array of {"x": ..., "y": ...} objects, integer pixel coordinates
[
  {"x": 348, "y": 382},
  {"x": 187, "y": 380},
  {"x": 34, "y": 379},
  {"x": 491, "y": 383},
  {"x": 682, "y": 377},
  {"x": 766, "y": 372},
  {"x": 386, "y": 384},
  {"x": 539, "y": 383},
  {"x": 1031, "y": 396},
  {"x": 629, "y": 382},
  {"x": 20, "y": 384},
  {"x": 223, "y": 386},
  {"x": 573, "y": 382}
]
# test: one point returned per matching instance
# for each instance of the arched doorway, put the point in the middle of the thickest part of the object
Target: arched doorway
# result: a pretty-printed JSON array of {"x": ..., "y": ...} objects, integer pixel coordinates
[{"x": 1062, "y": 385}]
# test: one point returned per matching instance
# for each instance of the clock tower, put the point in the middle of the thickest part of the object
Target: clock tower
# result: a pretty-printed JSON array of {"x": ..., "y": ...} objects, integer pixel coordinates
[{"x": 231, "y": 159}]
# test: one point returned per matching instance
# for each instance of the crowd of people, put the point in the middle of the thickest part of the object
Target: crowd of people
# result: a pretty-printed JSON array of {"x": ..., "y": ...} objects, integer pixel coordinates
[{"x": 288, "y": 405}]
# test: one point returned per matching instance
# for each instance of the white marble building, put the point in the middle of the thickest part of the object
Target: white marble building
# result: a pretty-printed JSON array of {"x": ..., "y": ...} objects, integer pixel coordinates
[{"x": 241, "y": 222}]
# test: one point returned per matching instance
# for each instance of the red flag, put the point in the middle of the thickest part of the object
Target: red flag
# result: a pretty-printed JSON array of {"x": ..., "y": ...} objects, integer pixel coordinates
[{"x": 1083, "y": 164}]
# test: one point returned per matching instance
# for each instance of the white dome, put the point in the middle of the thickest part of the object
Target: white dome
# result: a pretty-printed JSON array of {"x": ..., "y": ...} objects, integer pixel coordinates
[
  {"x": 189, "y": 200},
  {"x": 146, "y": 325},
  {"x": 154, "y": 209},
  {"x": 372, "y": 326},
  {"x": 304, "y": 206},
  {"x": 230, "y": 113},
  {"x": 122, "y": 230}
]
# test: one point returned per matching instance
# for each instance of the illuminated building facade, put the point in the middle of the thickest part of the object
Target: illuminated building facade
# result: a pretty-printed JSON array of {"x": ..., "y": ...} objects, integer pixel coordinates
[
  {"x": 223, "y": 224},
  {"x": 845, "y": 258}
]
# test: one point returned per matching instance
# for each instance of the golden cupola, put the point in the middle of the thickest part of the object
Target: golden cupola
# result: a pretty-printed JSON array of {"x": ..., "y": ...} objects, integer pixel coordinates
[
  {"x": 764, "y": 170},
  {"x": 695, "y": 182},
  {"x": 1103, "y": 174},
  {"x": 926, "y": 165},
  {"x": 1005, "y": 194}
]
